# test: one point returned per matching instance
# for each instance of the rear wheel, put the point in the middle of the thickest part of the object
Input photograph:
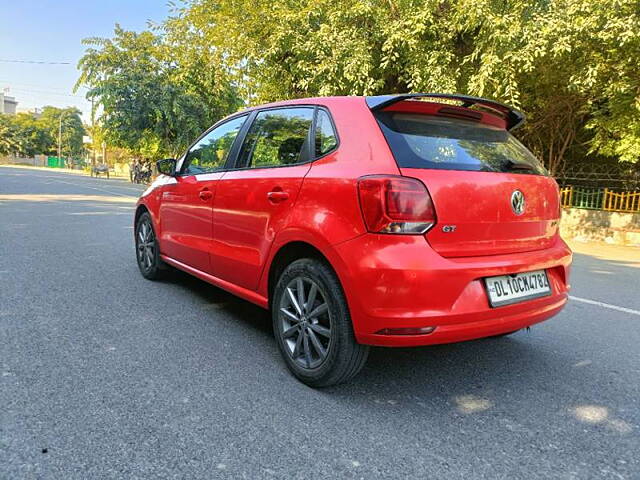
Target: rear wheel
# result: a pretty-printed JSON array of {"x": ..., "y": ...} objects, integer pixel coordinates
[
  {"x": 312, "y": 325},
  {"x": 147, "y": 249}
]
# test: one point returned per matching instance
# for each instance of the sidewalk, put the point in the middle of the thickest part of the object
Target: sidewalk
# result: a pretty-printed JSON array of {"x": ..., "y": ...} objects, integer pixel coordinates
[
  {"x": 607, "y": 252},
  {"x": 65, "y": 170}
]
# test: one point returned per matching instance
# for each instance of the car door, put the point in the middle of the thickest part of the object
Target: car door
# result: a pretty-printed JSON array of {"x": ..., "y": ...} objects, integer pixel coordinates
[
  {"x": 186, "y": 205},
  {"x": 254, "y": 200}
]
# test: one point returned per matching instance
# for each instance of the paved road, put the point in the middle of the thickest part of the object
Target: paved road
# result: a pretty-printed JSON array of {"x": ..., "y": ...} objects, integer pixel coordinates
[{"x": 117, "y": 377}]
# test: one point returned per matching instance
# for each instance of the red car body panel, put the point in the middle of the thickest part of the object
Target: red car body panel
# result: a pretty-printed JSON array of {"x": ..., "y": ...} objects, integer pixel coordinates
[
  {"x": 485, "y": 224},
  {"x": 406, "y": 284},
  {"x": 187, "y": 219},
  {"x": 390, "y": 281},
  {"x": 246, "y": 219}
]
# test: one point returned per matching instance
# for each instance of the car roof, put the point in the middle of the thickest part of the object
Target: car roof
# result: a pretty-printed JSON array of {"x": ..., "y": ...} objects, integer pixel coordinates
[
  {"x": 503, "y": 115},
  {"x": 333, "y": 100}
]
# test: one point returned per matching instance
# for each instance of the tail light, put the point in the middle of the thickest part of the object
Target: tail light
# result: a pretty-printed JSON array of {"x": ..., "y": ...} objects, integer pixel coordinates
[{"x": 392, "y": 204}]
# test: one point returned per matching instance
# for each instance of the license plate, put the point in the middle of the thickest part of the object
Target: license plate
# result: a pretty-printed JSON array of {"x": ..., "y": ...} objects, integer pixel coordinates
[{"x": 518, "y": 287}]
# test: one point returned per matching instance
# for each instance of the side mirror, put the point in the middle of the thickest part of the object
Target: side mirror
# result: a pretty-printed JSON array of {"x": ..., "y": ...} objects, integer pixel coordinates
[{"x": 167, "y": 166}]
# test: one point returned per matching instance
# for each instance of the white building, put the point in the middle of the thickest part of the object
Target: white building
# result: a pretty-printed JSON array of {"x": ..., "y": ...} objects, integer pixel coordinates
[{"x": 7, "y": 104}]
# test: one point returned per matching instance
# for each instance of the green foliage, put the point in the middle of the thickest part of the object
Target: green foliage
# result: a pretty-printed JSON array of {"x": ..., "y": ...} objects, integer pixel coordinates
[
  {"x": 150, "y": 105},
  {"x": 571, "y": 65},
  {"x": 9, "y": 142},
  {"x": 27, "y": 135},
  {"x": 72, "y": 130},
  {"x": 32, "y": 138}
]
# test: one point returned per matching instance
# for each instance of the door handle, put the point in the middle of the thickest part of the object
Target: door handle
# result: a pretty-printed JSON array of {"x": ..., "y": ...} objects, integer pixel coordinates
[
  {"x": 205, "y": 194},
  {"x": 277, "y": 196}
]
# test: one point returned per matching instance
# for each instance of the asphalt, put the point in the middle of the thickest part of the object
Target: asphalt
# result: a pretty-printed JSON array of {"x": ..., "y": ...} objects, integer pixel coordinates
[{"x": 106, "y": 375}]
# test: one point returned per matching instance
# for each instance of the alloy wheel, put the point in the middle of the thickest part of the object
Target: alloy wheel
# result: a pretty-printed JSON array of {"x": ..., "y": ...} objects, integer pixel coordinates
[
  {"x": 146, "y": 245},
  {"x": 305, "y": 322}
]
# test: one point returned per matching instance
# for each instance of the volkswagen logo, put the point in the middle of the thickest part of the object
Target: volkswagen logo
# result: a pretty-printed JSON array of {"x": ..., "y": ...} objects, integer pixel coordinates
[{"x": 517, "y": 202}]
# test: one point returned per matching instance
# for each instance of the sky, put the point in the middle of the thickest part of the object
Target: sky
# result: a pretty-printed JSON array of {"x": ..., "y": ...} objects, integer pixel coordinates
[{"x": 52, "y": 31}]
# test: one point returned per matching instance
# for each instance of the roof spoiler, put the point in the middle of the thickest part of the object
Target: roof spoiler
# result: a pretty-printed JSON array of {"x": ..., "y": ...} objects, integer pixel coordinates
[{"x": 513, "y": 117}]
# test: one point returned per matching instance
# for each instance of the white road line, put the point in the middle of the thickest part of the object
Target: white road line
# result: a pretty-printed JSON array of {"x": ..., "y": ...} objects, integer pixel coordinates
[
  {"x": 119, "y": 194},
  {"x": 53, "y": 174},
  {"x": 605, "y": 305},
  {"x": 110, "y": 184}
]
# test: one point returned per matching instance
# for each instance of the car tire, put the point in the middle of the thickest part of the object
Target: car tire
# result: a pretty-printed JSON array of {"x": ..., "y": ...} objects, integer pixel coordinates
[
  {"x": 313, "y": 330},
  {"x": 147, "y": 249}
]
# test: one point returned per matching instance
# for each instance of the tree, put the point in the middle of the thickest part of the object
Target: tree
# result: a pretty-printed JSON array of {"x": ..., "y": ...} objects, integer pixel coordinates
[
  {"x": 150, "y": 105},
  {"x": 25, "y": 135},
  {"x": 72, "y": 131},
  {"x": 31, "y": 138},
  {"x": 571, "y": 65},
  {"x": 9, "y": 142}
]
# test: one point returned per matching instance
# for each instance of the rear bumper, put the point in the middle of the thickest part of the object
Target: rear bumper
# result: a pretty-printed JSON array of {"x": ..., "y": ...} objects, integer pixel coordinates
[{"x": 393, "y": 282}]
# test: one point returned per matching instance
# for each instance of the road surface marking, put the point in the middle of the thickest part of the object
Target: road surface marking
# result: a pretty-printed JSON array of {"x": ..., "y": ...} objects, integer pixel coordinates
[
  {"x": 55, "y": 175},
  {"x": 605, "y": 305},
  {"x": 98, "y": 189}
]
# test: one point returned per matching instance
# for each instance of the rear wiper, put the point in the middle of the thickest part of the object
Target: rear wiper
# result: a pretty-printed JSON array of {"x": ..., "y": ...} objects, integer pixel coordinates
[{"x": 510, "y": 165}]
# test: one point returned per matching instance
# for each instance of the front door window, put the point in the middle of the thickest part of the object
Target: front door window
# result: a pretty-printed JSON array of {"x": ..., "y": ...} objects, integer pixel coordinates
[{"x": 210, "y": 153}]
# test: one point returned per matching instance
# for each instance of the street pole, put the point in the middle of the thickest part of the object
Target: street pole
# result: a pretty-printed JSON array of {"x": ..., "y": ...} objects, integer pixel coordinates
[
  {"x": 60, "y": 135},
  {"x": 93, "y": 135}
]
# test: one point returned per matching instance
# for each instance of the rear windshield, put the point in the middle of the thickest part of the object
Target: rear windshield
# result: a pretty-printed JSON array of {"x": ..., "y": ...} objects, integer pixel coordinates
[{"x": 421, "y": 141}]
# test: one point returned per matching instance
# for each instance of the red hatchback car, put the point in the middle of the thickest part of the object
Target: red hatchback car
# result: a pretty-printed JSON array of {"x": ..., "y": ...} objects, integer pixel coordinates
[{"x": 398, "y": 220}]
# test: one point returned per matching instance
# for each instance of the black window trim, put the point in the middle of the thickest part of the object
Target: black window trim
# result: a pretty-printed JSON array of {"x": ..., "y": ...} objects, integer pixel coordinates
[
  {"x": 313, "y": 133},
  {"x": 220, "y": 123},
  {"x": 233, "y": 165},
  {"x": 232, "y": 158},
  {"x": 310, "y": 138}
]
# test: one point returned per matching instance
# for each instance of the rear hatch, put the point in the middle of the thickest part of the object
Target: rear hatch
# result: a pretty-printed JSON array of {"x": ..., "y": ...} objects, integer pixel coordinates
[{"x": 491, "y": 195}]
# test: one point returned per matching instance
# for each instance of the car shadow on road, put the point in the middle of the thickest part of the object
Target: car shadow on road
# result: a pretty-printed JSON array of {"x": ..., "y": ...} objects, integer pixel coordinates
[
  {"x": 521, "y": 374},
  {"x": 215, "y": 299},
  {"x": 467, "y": 364}
]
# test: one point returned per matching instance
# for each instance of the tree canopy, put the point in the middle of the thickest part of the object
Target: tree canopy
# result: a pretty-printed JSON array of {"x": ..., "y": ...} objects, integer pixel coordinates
[
  {"x": 573, "y": 66},
  {"x": 154, "y": 98},
  {"x": 26, "y": 134}
]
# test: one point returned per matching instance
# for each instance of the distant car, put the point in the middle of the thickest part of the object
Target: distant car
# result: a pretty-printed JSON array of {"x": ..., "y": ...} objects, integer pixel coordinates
[
  {"x": 398, "y": 221},
  {"x": 100, "y": 169}
]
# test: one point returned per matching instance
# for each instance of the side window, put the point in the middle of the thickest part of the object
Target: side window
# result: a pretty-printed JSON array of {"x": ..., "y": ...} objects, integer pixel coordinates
[
  {"x": 326, "y": 138},
  {"x": 211, "y": 151},
  {"x": 277, "y": 137}
]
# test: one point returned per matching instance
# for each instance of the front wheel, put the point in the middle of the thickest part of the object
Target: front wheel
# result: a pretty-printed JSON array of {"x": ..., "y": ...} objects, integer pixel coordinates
[
  {"x": 313, "y": 327},
  {"x": 147, "y": 249}
]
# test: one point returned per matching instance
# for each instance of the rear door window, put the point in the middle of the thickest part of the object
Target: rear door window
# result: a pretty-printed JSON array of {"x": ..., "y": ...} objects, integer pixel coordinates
[
  {"x": 326, "y": 137},
  {"x": 276, "y": 138},
  {"x": 423, "y": 141}
]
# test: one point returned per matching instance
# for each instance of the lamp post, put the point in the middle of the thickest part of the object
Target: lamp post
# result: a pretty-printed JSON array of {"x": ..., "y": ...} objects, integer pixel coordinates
[{"x": 62, "y": 114}]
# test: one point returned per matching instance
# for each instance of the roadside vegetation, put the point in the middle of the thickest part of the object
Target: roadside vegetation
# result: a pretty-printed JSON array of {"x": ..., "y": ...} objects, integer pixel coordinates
[
  {"x": 573, "y": 66},
  {"x": 27, "y": 135}
]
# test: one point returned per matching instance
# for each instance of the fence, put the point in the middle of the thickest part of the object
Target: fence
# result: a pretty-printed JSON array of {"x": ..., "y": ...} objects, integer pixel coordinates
[
  {"x": 600, "y": 199},
  {"x": 37, "y": 161}
]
